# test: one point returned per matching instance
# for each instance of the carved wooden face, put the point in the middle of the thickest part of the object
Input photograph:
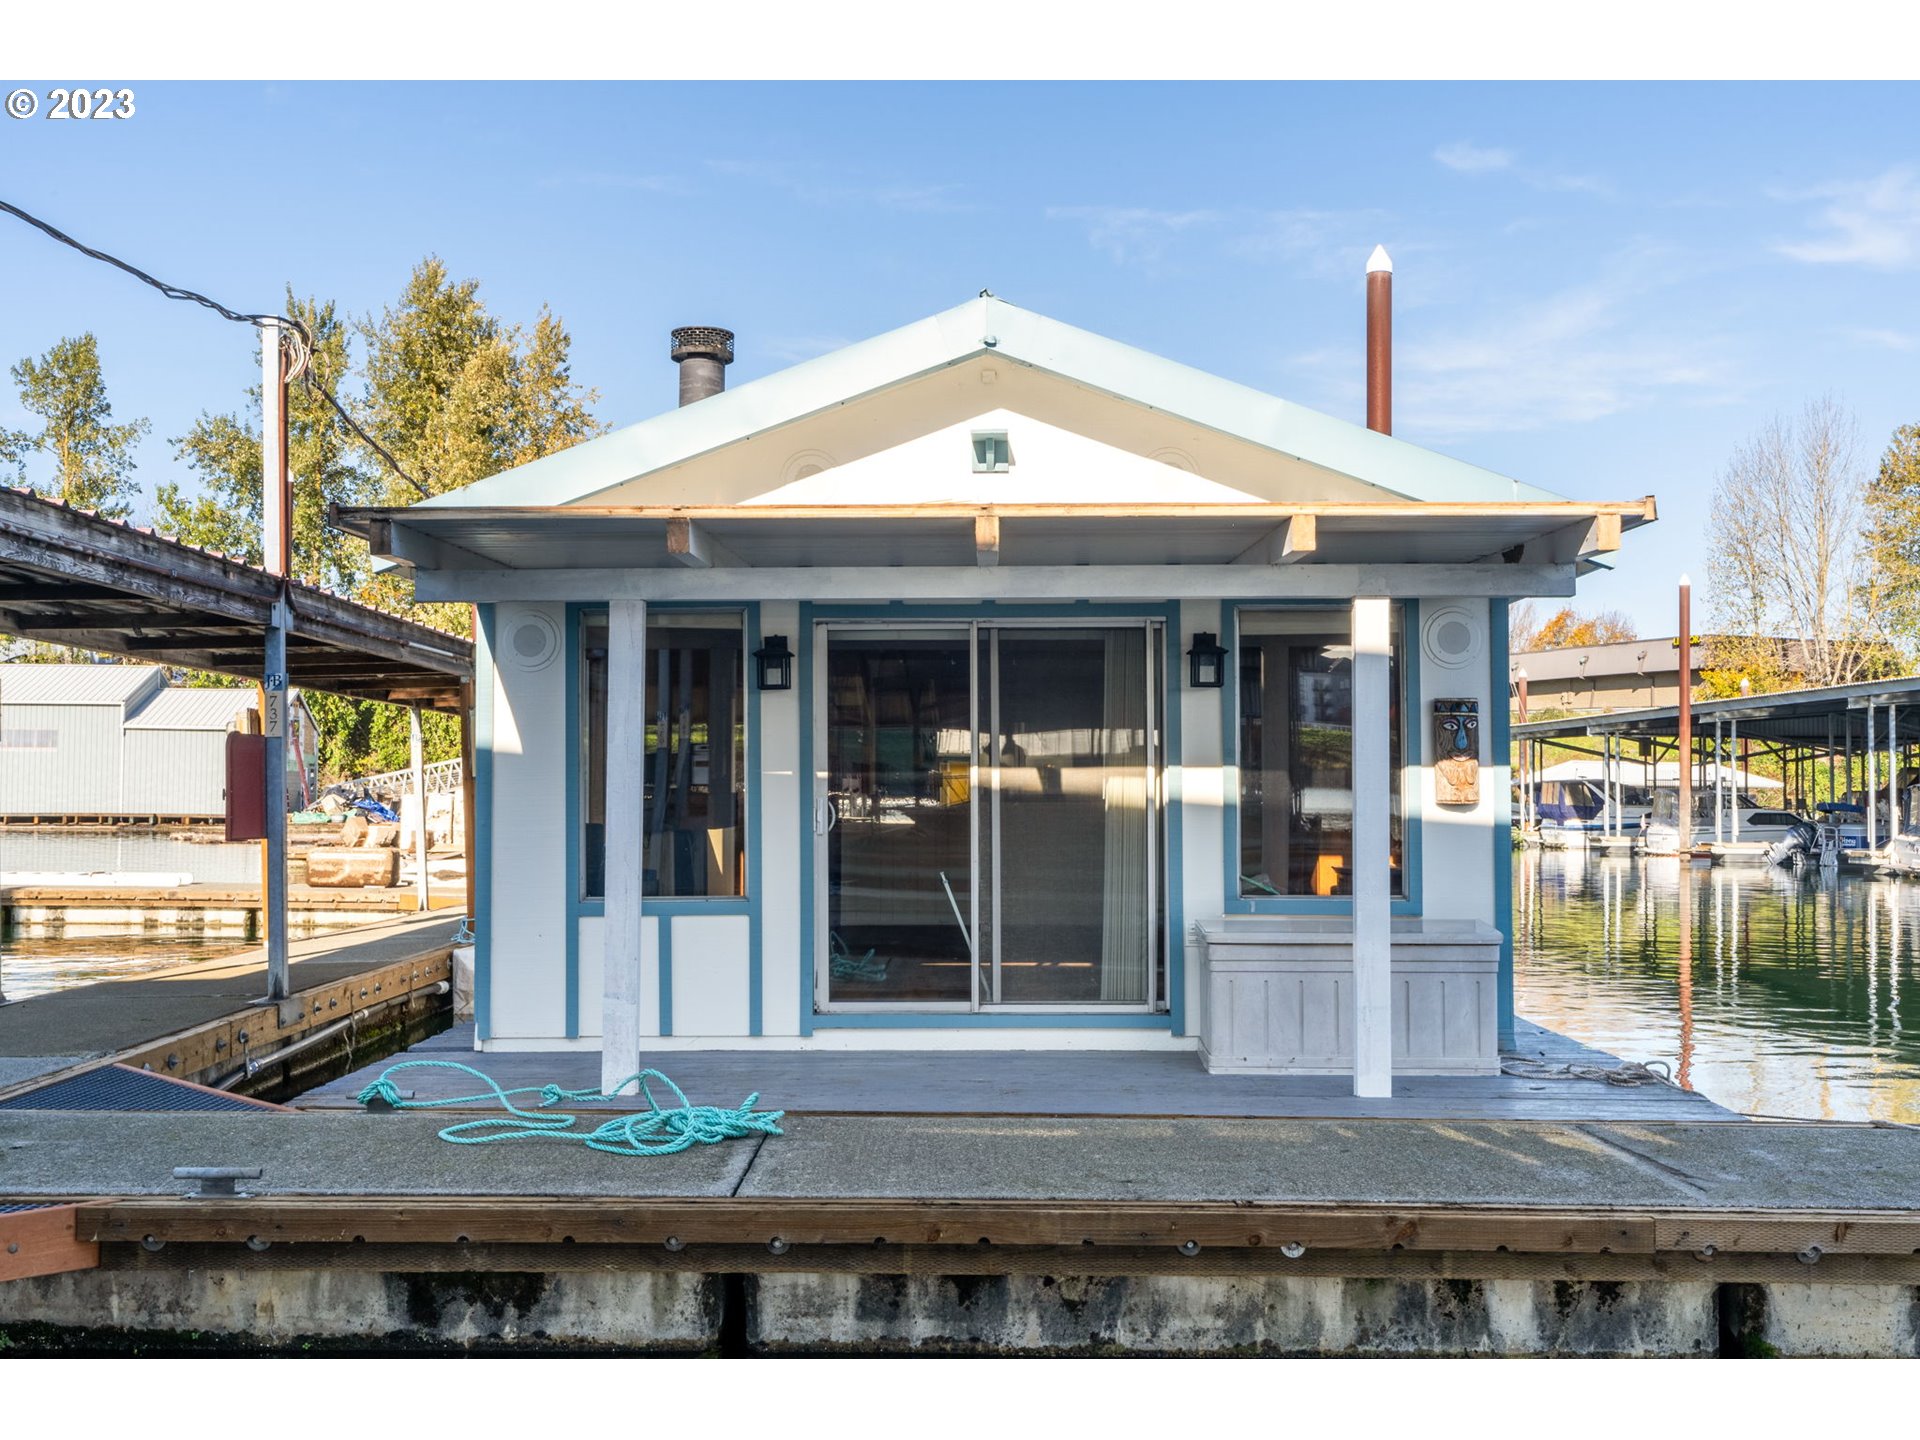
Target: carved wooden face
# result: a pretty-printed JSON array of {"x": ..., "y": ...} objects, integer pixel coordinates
[{"x": 1459, "y": 736}]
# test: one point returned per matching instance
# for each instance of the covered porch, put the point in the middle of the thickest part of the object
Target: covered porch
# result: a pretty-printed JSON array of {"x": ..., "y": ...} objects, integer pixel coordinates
[{"x": 1168, "y": 1083}]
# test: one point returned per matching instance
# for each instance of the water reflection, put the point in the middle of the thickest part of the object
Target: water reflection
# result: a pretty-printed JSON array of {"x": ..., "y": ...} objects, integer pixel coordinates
[
  {"x": 1768, "y": 992},
  {"x": 40, "y": 964}
]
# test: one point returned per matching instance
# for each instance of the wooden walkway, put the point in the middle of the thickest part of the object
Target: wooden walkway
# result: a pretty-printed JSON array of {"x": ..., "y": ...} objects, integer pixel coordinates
[
  {"x": 1052, "y": 1082},
  {"x": 121, "y": 1019}
]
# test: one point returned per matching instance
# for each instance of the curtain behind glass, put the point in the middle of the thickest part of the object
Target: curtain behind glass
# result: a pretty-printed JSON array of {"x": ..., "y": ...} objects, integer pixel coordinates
[{"x": 1124, "y": 939}]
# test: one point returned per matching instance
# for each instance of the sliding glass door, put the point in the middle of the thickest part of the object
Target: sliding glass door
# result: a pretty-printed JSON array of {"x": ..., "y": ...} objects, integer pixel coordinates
[{"x": 987, "y": 817}]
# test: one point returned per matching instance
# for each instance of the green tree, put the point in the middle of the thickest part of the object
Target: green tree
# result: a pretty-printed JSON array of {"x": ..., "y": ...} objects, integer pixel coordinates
[
  {"x": 1892, "y": 538},
  {"x": 223, "y": 451},
  {"x": 92, "y": 457},
  {"x": 456, "y": 395}
]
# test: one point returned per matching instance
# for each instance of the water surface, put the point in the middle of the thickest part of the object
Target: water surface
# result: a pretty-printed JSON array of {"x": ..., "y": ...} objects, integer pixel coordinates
[
  {"x": 1766, "y": 991},
  {"x": 39, "y": 964}
]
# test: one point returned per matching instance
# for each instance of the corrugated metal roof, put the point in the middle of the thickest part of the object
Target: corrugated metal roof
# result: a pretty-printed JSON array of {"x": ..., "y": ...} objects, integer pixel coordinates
[
  {"x": 76, "y": 684},
  {"x": 191, "y": 709},
  {"x": 990, "y": 326}
]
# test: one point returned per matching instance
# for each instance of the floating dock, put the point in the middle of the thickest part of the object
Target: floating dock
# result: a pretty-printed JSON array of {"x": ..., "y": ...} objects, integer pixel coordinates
[{"x": 976, "y": 1204}]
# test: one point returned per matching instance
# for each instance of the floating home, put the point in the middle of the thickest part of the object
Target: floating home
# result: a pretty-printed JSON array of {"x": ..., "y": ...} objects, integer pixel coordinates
[{"x": 991, "y": 684}]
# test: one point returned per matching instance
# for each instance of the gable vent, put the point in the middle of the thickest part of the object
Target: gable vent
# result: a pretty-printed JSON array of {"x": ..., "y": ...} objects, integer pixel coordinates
[{"x": 991, "y": 452}]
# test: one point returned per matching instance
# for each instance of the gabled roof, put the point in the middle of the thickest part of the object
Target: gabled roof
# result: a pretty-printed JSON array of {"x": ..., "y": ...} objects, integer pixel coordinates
[
  {"x": 989, "y": 326},
  {"x": 192, "y": 708},
  {"x": 24, "y": 683}
]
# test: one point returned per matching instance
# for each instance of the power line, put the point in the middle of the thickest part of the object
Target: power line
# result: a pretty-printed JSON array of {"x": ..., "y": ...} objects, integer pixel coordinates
[{"x": 302, "y": 367}]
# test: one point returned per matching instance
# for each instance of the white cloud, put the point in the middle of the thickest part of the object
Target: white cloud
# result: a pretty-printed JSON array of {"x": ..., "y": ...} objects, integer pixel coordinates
[
  {"x": 1471, "y": 159},
  {"x": 1865, "y": 222},
  {"x": 810, "y": 184},
  {"x": 1132, "y": 234},
  {"x": 1883, "y": 339},
  {"x": 614, "y": 180},
  {"x": 1577, "y": 355}
]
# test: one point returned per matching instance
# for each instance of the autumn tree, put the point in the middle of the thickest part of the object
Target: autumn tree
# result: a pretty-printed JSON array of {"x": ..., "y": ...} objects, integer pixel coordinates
[
  {"x": 1892, "y": 540},
  {"x": 1564, "y": 628},
  {"x": 78, "y": 455},
  {"x": 1785, "y": 562},
  {"x": 223, "y": 451}
]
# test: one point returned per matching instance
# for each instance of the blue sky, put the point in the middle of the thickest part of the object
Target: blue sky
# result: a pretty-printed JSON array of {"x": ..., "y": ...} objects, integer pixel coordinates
[{"x": 1599, "y": 289}]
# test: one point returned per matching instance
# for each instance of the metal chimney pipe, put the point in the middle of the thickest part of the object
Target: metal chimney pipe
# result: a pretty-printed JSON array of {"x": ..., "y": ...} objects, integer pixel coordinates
[
  {"x": 703, "y": 353},
  {"x": 1380, "y": 341}
]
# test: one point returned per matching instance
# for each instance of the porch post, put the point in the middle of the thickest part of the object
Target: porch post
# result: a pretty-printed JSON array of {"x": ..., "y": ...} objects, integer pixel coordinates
[
  {"x": 626, "y": 808},
  {"x": 1372, "y": 849}
]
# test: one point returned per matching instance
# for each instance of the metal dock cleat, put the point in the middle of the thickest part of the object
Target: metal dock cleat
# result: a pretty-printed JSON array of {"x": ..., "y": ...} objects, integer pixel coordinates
[{"x": 216, "y": 1181}]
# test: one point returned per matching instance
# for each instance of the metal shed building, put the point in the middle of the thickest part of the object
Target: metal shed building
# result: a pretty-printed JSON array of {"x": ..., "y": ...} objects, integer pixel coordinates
[{"x": 112, "y": 741}]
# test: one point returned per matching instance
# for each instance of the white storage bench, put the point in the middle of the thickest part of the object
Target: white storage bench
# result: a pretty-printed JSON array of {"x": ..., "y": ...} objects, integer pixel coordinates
[{"x": 1277, "y": 994}]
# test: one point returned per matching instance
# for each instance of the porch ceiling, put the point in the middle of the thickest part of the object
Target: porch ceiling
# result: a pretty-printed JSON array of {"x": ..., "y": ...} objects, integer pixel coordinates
[{"x": 580, "y": 537}]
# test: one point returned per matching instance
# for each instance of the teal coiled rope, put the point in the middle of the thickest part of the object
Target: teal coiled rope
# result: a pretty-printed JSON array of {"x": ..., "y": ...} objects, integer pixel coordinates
[{"x": 655, "y": 1131}]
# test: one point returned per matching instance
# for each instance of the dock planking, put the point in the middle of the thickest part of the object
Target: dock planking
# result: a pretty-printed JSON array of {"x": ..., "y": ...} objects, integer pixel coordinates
[{"x": 1053, "y": 1082}]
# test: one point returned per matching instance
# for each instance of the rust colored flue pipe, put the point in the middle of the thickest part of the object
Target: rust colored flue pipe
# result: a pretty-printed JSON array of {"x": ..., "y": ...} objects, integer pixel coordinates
[{"x": 1380, "y": 341}]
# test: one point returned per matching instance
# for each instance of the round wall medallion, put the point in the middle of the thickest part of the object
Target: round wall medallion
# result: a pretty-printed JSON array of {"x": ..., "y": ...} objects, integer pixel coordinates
[
  {"x": 532, "y": 641},
  {"x": 1452, "y": 638}
]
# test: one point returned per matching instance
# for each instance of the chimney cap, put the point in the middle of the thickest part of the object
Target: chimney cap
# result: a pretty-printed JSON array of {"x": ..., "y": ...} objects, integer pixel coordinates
[
  {"x": 708, "y": 342},
  {"x": 1380, "y": 262}
]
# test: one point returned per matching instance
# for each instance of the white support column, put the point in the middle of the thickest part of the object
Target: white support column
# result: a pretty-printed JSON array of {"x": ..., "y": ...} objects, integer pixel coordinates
[
  {"x": 1372, "y": 852},
  {"x": 1736, "y": 772},
  {"x": 417, "y": 756},
  {"x": 626, "y": 808}
]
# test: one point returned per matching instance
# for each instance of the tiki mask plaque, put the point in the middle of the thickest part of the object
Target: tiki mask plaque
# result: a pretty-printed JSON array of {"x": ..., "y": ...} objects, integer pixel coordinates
[{"x": 1456, "y": 749}]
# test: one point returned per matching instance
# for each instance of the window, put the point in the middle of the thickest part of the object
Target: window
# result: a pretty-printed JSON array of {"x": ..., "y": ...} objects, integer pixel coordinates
[
  {"x": 693, "y": 825},
  {"x": 29, "y": 739},
  {"x": 1296, "y": 753}
]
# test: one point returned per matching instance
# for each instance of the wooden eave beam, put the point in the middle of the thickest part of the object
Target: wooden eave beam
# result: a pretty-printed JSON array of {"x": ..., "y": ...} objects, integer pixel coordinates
[
  {"x": 1292, "y": 540},
  {"x": 689, "y": 543},
  {"x": 986, "y": 540}
]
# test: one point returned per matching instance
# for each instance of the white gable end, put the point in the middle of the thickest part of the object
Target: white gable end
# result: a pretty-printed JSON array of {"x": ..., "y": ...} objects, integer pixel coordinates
[{"x": 1050, "y": 466}]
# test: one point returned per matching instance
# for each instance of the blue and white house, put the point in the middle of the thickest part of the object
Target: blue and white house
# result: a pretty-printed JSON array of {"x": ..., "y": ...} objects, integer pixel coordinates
[{"x": 991, "y": 684}]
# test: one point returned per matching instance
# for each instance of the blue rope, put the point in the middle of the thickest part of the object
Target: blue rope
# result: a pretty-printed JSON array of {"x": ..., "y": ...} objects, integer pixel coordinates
[{"x": 654, "y": 1131}]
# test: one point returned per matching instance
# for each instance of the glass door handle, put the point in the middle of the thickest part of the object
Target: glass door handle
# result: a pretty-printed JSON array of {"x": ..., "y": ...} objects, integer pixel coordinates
[{"x": 825, "y": 816}]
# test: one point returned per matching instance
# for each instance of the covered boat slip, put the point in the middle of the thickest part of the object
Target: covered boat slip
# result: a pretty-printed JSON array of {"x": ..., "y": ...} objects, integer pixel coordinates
[
  {"x": 1825, "y": 743},
  {"x": 987, "y": 687}
]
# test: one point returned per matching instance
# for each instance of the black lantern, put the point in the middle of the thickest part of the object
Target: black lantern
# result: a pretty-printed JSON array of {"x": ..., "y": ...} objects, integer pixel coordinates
[
  {"x": 1206, "y": 661},
  {"x": 773, "y": 663}
]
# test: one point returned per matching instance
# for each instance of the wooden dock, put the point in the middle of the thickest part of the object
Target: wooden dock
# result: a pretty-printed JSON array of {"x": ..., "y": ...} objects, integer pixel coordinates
[
  {"x": 42, "y": 909},
  {"x": 199, "y": 1022},
  {"x": 1062, "y": 1082},
  {"x": 1008, "y": 1234}
]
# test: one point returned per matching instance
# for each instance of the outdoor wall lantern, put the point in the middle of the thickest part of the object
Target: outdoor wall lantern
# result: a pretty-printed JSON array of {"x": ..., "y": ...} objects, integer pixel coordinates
[
  {"x": 773, "y": 664},
  {"x": 1206, "y": 661}
]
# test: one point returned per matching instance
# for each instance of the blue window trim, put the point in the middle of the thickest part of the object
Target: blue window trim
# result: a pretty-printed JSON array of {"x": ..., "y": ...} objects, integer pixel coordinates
[
  {"x": 1168, "y": 612},
  {"x": 661, "y": 909},
  {"x": 1412, "y": 751},
  {"x": 483, "y": 682},
  {"x": 1497, "y": 662}
]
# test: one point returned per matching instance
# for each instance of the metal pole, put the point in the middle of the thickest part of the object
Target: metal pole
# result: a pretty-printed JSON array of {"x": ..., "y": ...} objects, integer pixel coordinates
[
  {"x": 417, "y": 755},
  {"x": 1526, "y": 781},
  {"x": 1685, "y": 742},
  {"x": 1873, "y": 785},
  {"x": 1719, "y": 778},
  {"x": 277, "y": 553},
  {"x": 1738, "y": 773},
  {"x": 1893, "y": 770}
]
